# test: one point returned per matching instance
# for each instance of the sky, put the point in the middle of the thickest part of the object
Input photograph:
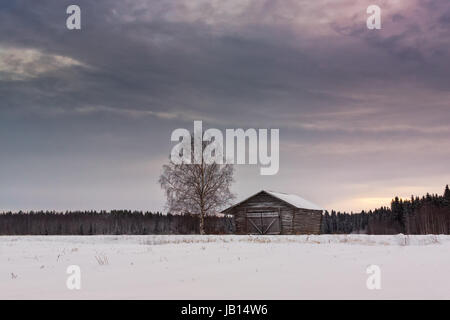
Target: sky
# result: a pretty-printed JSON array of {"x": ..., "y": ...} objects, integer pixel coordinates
[{"x": 86, "y": 115}]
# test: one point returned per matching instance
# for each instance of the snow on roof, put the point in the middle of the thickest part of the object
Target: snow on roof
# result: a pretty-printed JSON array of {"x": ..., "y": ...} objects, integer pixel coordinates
[{"x": 294, "y": 200}]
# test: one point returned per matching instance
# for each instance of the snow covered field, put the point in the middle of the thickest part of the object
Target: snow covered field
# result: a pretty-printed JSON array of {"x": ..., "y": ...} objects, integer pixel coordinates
[{"x": 225, "y": 267}]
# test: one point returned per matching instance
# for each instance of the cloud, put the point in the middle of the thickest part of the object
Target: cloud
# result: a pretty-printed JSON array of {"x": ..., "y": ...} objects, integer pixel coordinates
[
  {"x": 19, "y": 64},
  {"x": 139, "y": 69},
  {"x": 350, "y": 148}
]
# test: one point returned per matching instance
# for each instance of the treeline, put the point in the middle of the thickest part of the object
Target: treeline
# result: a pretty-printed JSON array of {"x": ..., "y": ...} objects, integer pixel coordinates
[
  {"x": 427, "y": 215},
  {"x": 108, "y": 223}
]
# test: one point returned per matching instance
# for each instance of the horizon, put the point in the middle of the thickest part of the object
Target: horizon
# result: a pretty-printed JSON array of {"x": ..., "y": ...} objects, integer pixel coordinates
[{"x": 326, "y": 210}]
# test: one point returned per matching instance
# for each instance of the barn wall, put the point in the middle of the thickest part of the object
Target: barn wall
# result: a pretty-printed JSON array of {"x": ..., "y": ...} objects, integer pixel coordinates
[
  {"x": 307, "y": 221},
  {"x": 293, "y": 220},
  {"x": 263, "y": 202}
]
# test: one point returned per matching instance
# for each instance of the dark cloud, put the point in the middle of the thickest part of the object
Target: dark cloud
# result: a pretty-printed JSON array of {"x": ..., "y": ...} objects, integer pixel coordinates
[{"x": 112, "y": 92}]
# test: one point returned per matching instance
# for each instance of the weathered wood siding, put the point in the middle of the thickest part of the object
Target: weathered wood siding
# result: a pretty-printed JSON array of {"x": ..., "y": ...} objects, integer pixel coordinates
[
  {"x": 307, "y": 221},
  {"x": 292, "y": 220},
  {"x": 262, "y": 202}
]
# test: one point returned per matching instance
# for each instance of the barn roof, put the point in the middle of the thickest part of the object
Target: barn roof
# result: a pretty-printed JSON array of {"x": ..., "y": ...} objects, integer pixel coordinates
[{"x": 292, "y": 199}]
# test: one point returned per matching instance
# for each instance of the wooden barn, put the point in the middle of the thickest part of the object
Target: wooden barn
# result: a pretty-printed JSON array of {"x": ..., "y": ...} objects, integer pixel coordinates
[{"x": 269, "y": 212}]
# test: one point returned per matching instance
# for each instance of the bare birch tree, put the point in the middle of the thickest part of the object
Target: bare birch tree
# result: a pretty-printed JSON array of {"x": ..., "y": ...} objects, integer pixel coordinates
[{"x": 197, "y": 188}]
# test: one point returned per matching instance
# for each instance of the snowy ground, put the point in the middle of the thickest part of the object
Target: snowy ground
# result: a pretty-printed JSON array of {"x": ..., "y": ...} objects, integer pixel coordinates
[{"x": 225, "y": 267}]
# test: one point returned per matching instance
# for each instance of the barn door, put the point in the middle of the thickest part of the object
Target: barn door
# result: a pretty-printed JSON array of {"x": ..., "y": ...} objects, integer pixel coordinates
[{"x": 263, "y": 223}]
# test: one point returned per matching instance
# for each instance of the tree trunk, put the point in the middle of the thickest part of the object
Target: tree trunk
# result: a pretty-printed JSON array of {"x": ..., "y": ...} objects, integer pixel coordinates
[{"x": 202, "y": 223}]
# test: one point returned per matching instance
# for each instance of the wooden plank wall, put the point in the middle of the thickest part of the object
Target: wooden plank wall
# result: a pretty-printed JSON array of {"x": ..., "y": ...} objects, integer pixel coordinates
[
  {"x": 307, "y": 221},
  {"x": 293, "y": 221},
  {"x": 262, "y": 202}
]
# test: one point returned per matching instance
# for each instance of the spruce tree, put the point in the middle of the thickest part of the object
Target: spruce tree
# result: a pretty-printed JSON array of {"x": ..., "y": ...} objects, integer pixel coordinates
[{"x": 447, "y": 193}]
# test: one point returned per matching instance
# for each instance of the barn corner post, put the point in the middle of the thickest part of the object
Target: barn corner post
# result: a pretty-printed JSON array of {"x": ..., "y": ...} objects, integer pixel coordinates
[
  {"x": 320, "y": 224},
  {"x": 279, "y": 220}
]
